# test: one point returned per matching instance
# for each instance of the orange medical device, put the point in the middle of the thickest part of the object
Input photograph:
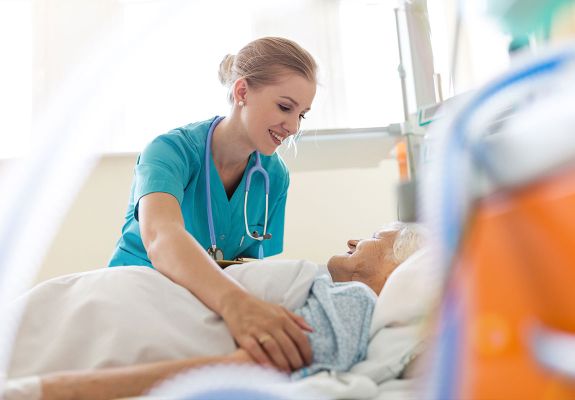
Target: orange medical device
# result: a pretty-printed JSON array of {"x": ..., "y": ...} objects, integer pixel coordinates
[
  {"x": 506, "y": 216},
  {"x": 514, "y": 274},
  {"x": 402, "y": 162}
]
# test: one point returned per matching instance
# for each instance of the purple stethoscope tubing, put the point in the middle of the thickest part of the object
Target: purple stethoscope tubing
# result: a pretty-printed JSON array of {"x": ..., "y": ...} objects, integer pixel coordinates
[{"x": 256, "y": 168}]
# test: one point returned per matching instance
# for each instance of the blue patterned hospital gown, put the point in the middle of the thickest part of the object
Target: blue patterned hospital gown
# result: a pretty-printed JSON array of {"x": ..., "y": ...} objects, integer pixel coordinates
[{"x": 341, "y": 316}]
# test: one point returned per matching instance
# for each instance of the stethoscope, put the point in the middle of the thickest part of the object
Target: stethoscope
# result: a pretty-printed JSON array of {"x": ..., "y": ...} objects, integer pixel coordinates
[{"x": 214, "y": 251}]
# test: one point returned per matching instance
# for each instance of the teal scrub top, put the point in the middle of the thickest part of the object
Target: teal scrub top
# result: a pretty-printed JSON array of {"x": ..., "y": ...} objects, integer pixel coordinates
[{"x": 174, "y": 163}]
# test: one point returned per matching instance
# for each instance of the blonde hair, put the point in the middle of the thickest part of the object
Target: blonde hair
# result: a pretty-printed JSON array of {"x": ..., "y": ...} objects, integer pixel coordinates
[{"x": 264, "y": 61}]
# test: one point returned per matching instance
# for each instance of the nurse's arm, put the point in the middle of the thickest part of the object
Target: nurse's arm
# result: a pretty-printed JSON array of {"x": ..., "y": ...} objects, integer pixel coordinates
[{"x": 176, "y": 254}]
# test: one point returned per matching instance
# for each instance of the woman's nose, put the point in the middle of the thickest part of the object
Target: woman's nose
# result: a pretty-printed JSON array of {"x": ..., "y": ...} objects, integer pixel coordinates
[{"x": 291, "y": 126}]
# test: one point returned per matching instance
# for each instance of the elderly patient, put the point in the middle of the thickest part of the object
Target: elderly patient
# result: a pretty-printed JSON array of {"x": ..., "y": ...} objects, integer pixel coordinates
[{"x": 339, "y": 308}]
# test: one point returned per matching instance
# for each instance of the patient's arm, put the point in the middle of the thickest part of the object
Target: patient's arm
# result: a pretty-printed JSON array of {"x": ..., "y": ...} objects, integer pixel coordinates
[{"x": 127, "y": 381}]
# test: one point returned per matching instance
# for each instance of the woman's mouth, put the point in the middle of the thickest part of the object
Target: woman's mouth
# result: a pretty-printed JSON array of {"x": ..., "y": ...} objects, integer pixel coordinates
[{"x": 275, "y": 137}]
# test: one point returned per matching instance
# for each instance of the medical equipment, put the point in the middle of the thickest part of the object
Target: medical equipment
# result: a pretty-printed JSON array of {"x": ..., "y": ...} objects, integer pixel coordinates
[
  {"x": 504, "y": 213},
  {"x": 214, "y": 251},
  {"x": 519, "y": 17},
  {"x": 420, "y": 87}
]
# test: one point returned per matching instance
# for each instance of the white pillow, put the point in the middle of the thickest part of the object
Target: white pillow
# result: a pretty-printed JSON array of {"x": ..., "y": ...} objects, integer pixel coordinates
[
  {"x": 396, "y": 334},
  {"x": 410, "y": 291}
]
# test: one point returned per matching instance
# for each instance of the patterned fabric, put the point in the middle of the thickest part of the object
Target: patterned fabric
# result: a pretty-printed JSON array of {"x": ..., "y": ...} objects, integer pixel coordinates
[{"x": 341, "y": 316}]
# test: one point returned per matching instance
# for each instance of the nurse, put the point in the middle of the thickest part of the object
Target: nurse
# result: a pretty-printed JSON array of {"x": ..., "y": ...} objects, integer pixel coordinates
[{"x": 188, "y": 205}]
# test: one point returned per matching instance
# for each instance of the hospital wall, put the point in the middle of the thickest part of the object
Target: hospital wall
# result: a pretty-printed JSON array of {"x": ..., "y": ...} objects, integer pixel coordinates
[{"x": 341, "y": 188}]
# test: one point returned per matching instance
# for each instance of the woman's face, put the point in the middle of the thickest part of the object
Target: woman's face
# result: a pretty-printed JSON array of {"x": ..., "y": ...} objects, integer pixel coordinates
[
  {"x": 273, "y": 113},
  {"x": 369, "y": 261}
]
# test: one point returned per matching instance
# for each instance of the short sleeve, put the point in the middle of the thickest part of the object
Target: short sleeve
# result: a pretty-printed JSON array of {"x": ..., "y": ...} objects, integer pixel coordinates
[
  {"x": 166, "y": 166},
  {"x": 276, "y": 223}
]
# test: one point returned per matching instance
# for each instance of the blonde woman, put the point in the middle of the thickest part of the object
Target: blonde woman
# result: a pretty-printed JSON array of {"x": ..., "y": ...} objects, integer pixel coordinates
[{"x": 188, "y": 206}]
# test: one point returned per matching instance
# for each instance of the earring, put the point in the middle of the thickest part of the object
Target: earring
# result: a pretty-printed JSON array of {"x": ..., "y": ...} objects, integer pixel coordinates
[{"x": 241, "y": 103}]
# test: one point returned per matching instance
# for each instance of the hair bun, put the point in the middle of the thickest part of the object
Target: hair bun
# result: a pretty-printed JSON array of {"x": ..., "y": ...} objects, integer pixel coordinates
[{"x": 225, "y": 71}]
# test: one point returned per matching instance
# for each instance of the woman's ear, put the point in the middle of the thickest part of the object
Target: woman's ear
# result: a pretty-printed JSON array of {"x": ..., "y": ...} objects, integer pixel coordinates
[{"x": 240, "y": 90}]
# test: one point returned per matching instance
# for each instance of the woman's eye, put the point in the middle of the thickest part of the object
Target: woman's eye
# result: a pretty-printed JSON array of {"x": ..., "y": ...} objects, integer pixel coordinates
[
  {"x": 302, "y": 116},
  {"x": 283, "y": 108}
]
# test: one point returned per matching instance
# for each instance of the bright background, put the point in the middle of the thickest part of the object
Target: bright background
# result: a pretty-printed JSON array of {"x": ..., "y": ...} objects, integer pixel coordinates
[{"x": 161, "y": 59}]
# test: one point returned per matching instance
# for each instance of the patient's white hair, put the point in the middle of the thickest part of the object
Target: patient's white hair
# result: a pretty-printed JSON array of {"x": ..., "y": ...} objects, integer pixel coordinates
[{"x": 409, "y": 239}]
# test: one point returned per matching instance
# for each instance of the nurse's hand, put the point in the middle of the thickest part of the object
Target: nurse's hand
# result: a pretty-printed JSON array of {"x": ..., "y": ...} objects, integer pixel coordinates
[{"x": 271, "y": 334}]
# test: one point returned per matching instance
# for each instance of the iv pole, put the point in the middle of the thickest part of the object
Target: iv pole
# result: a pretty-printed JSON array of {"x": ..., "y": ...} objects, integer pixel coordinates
[{"x": 423, "y": 95}]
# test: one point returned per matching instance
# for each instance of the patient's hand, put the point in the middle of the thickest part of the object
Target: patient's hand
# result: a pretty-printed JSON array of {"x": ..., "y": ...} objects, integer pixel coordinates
[{"x": 241, "y": 356}]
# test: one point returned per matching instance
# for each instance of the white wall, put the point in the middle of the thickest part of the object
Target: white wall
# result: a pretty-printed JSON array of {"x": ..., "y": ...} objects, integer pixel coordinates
[
  {"x": 326, "y": 204},
  {"x": 92, "y": 225},
  {"x": 326, "y": 208}
]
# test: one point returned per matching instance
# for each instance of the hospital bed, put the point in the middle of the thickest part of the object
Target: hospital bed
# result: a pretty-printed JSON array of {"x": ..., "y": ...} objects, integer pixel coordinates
[{"x": 105, "y": 318}]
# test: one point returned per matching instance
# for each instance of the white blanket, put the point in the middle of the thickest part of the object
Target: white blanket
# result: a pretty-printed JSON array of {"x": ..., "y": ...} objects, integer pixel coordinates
[{"x": 127, "y": 315}]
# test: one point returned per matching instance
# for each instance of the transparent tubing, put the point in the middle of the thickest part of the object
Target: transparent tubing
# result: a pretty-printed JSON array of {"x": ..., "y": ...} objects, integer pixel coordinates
[
  {"x": 38, "y": 189},
  {"x": 448, "y": 190}
]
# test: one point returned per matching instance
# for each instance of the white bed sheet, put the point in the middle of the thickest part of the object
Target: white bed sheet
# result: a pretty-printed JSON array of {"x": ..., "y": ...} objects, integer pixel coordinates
[{"x": 128, "y": 315}]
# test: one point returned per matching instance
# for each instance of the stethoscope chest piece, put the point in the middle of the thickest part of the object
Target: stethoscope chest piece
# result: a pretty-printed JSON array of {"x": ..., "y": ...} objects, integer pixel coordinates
[{"x": 216, "y": 253}]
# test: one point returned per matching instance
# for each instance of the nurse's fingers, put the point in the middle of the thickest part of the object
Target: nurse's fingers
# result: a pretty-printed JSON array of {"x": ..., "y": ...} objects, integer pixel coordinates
[
  {"x": 254, "y": 349},
  {"x": 298, "y": 337},
  {"x": 289, "y": 350},
  {"x": 274, "y": 351},
  {"x": 300, "y": 321}
]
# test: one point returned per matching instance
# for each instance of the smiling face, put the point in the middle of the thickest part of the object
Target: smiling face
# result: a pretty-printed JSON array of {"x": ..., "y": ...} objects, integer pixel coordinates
[
  {"x": 370, "y": 261},
  {"x": 272, "y": 113}
]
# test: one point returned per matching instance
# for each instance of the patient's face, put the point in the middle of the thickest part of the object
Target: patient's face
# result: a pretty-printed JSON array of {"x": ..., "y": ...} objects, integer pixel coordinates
[{"x": 368, "y": 260}]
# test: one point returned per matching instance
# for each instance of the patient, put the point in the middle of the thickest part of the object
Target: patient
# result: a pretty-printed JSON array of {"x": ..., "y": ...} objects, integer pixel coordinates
[
  {"x": 364, "y": 268},
  {"x": 372, "y": 260}
]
